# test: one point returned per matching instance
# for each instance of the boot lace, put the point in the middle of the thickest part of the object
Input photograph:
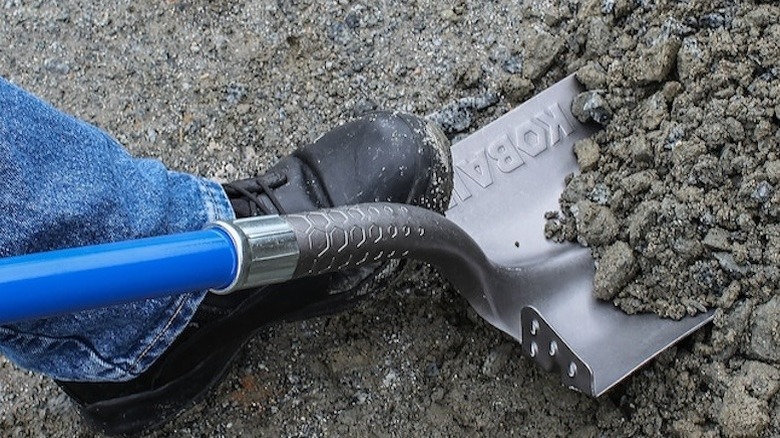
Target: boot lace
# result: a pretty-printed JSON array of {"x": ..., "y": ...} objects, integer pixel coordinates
[{"x": 253, "y": 197}]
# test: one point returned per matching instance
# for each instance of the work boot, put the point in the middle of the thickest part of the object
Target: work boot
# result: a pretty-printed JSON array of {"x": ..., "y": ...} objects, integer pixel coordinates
[{"x": 382, "y": 157}]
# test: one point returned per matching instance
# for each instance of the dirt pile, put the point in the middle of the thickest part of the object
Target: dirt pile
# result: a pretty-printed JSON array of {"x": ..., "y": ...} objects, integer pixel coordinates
[
  {"x": 678, "y": 196},
  {"x": 687, "y": 171}
]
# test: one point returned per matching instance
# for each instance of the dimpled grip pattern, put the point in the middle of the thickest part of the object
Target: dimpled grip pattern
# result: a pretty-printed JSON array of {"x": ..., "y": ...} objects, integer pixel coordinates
[
  {"x": 348, "y": 237},
  {"x": 336, "y": 239}
]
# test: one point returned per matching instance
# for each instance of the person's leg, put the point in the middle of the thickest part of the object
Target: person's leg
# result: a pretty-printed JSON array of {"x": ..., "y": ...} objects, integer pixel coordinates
[{"x": 65, "y": 183}]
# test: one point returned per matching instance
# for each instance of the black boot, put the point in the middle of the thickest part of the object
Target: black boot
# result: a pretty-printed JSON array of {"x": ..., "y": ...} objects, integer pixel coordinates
[{"x": 381, "y": 157}]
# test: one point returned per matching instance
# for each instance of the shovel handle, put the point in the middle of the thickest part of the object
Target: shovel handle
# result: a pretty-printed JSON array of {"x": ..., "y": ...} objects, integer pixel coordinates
[
  {"x": 235, "y": 255},
  {"x": 336, "y": 239}
]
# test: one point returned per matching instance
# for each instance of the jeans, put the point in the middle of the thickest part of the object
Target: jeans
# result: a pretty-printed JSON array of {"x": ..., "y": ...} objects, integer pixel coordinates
[{"x": 65, "y": 183}]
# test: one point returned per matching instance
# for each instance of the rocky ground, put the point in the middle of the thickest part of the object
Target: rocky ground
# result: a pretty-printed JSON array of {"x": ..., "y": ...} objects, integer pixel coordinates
[{"x": 677, "y": 197}]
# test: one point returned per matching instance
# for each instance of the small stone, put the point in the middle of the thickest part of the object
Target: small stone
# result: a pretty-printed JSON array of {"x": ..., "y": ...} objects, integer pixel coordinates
[
  {"x": 587, "y": 152},
  {"x": 591, "y": 105},
  {"x": 600, "y": 194},
  {"x": 243, "y": 108},
  {"x": 655, "y": 63},
  {"x": 653, "y": 111},
  {"x": 671, "y": 90},
  {"x": 432, "y": 370},
  {"x": 57, "y": 66},
  {"x": 459, "y": 115},
  {"x": 592, "y": 76},
  {"x": 449, "y": 15},
  {"x": 513, "y": 64},
  {"x": 728, "y": 264},
  {"x": 235, "y": 93},
  {"x": 596, "y": 225},
  {"x": 765, "y": 332},
  {"x": 541, "y": 51},
  {"x": 151, "y": 135},
  {"x": 712, "y": 20},
  {"x": 352, "y": 20},
  {"x": 360, "y": 397},
  {"x": 718, "y": 239},
  {"x": 390, "y": 379},
  {"x": 615, "y": 269},
  {"x": 763, "y": 192},
  {"x": 640, "y": 149}
]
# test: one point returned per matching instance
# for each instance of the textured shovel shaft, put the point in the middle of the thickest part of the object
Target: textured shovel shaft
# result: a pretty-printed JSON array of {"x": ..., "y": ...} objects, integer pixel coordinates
[
  {"x": 354, "y": 236},
  {"x": 57, "y": 282}
]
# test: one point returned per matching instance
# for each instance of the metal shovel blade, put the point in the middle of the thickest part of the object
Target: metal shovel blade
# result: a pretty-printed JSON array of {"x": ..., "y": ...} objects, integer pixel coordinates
[{"x": 507, "y": 175}]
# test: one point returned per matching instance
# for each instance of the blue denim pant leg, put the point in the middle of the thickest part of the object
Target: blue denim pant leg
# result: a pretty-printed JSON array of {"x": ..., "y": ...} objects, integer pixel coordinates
[{"x": 65, "y": 183}]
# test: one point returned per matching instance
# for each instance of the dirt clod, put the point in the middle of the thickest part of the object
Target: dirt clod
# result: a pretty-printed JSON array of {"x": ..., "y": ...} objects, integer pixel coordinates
[
  {"x": 765, "y": 331},
  {"x": 587, "y": 152},
  {"x": 615, "y": 269}
]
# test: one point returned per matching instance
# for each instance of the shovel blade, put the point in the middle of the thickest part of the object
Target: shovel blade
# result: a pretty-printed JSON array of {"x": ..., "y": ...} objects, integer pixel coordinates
[{"x": 507, "y": 175}]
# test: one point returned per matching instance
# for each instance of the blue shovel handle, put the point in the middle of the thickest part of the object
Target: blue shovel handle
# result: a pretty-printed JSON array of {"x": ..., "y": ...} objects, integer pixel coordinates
[{"x": 64, "y": 281}]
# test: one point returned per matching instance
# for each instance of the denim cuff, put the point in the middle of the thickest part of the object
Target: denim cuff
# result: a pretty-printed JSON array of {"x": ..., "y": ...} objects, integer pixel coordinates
[{"x": 120, "y": 342}]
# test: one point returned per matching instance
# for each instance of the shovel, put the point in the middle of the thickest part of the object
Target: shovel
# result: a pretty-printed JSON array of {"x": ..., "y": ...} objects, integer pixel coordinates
[{"x": 490, "y": 245}]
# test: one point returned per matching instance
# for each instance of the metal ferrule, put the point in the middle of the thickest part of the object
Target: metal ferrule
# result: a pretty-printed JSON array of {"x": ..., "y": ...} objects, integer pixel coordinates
[{"x": 266, "y": 248}]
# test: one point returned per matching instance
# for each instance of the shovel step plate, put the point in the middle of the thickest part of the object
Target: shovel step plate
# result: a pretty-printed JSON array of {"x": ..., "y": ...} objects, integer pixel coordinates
[{"x": 507, "y": 175}]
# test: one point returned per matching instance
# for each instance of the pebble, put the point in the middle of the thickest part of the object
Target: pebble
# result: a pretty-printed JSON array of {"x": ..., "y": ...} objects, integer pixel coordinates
[
  {"x": 656, "y": 62},
  {"x": 615, "y": 269},
  {"x": 592, "y": 76},
  {"x": 56, "y": 65},
  {"x": 587, "y": 152},
  {"x": 718, "y": 239},
  {"x": 459, "y": 115},
  {"x": 591, "y": 105},
  {"x": 596, "y": 224},
  {"x": 763, "y": 192},
  {"x": 727, "y": 262},
  {"x": 765, "y": 331}
]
